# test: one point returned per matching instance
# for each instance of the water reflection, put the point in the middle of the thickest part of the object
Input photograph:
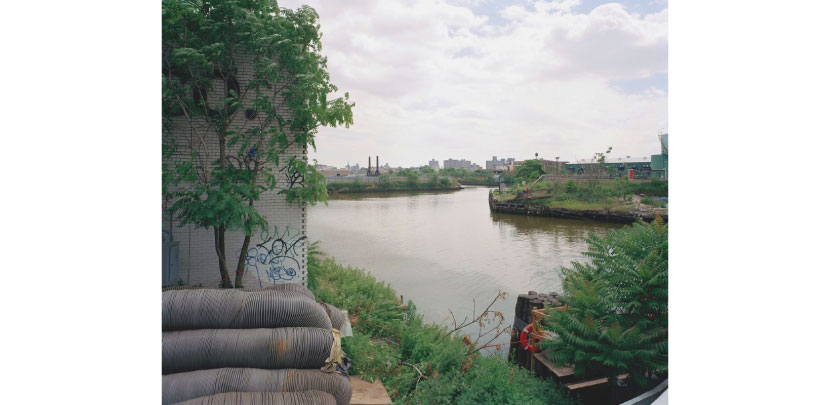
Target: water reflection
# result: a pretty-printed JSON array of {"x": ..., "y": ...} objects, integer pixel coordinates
[{"x": 572, "y": 229}]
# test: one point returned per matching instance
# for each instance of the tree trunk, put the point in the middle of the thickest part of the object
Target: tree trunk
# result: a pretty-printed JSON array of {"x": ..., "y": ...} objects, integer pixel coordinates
[
  {"x": 243, "y": 254},
  {"x": 240, "y": 265},
  {"x": 219, "y": 244}
]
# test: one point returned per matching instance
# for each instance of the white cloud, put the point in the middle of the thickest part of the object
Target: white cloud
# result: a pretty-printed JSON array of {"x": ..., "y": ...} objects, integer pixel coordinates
[{"x": 432, "y": 79}]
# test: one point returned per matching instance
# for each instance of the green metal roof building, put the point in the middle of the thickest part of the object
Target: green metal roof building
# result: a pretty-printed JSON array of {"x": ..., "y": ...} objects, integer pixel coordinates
[{"x": 644, "y": 167}]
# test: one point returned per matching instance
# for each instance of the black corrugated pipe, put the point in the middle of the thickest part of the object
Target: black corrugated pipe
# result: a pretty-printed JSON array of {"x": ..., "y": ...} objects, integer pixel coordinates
[
  {"x": 205, "y": 349},
  {"x": 265, "y": 398},
  {"x": 338, "y": 317},
  {"x": 235, "y": 309},
  {"x": 194, "y": 384},
  {"x": 295, "y": 287}
]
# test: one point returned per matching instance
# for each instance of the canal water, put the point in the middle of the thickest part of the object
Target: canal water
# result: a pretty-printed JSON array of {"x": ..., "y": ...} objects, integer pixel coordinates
[{"x": 443, "y": 250}]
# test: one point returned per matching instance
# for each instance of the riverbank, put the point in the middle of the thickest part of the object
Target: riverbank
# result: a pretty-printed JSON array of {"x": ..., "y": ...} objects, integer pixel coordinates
[
  {"x": 597, "y": 212},
  {"x": 619, "y": 201},
  {"x": 418, "y": 362},
  {"x": 355, "y": 187},
  {"x": 475, "y": 182}
]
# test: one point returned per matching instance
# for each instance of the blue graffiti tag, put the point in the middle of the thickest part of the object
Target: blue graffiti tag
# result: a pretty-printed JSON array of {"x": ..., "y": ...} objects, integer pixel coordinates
[{"x": 276, "y": 256}]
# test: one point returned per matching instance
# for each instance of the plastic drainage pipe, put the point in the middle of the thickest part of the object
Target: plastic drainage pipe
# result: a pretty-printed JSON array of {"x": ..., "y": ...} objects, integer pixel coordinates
[
  {"x": 278, "y": 348},
  {"x": 338, "y": 317},
  {"x": 298, "y": 288},
  {"x": 264, "y": 398},
  {"x": 195, "y": 384},
  {"x": 234, "y": 309}
]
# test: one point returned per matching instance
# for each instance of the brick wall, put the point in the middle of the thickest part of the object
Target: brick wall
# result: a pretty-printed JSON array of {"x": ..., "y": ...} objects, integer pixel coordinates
[{"x": 274, "y": 257}]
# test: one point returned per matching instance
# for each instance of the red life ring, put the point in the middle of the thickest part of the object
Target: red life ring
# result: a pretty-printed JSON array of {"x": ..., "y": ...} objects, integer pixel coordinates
[{"x": 523, "y": 337}]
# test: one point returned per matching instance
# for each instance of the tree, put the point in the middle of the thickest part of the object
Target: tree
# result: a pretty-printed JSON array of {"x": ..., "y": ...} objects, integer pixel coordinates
[
  {"x": 530, "y": 170},
  {"x": 599, "y": 169},
  {"x": 616, "y": 319},
  {"x": 426, "y": 170},
  {"x": 254, "y": 124}
]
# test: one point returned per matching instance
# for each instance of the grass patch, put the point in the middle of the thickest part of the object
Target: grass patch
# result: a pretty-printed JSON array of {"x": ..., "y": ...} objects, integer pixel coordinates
[
  {"x": 391, "y": 340},
  {"x": 586, "y": 206},
  {"x": 653, "y": 202}
]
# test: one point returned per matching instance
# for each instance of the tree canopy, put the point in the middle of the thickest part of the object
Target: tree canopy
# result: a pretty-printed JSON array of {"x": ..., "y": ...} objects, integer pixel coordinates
[
  {"x": 256, "y": 124},
  {"x": 530, "y": 170}
]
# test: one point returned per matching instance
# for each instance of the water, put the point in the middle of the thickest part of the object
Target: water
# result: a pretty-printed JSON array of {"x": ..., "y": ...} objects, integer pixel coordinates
[{"x": 443, "y": 250}]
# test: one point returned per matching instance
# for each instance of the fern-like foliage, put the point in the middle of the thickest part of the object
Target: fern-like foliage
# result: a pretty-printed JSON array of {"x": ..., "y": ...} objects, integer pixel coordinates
[{"x": 616, "y": 319}]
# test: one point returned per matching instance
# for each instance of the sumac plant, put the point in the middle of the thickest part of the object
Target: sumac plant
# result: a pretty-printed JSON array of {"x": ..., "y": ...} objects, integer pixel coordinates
[{"x": 617, "y": 314}]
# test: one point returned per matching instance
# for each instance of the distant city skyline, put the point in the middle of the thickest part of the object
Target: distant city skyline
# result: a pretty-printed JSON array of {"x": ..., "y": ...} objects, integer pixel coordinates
[
  {"x": 484, "y": 163},
  {"x": 468, "y": 79}
]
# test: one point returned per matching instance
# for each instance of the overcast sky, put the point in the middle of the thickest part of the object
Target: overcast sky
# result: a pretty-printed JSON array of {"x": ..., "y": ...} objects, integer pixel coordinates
[{"x": 476, "y": 78}]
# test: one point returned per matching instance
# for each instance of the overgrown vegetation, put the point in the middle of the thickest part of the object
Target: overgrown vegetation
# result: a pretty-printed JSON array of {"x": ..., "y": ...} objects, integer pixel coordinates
[
  {"x": 228, "y": 138},
  {"x": 530, "y": 170},
  {"x": 613, "y": 195},
  {"x": 419, "y": 363},
  {"x": 595, "y": 189},
  {"x": 477, "y": 177},
  {"x": 616, "y": 319},
  {"x": 388, "y": 183},
  {"x": 653, "y": 202}
]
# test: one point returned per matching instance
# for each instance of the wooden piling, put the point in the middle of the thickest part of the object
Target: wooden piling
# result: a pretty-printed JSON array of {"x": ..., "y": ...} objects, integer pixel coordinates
[{"x": 525, "y": 304}]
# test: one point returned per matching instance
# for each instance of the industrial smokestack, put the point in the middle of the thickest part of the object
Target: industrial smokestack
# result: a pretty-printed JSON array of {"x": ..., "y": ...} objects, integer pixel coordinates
[{"x": 377, "y": 164}]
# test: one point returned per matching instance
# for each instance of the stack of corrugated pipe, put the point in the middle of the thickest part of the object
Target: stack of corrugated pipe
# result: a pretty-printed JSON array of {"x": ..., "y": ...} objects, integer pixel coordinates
[{"x": 270, "y": 346}]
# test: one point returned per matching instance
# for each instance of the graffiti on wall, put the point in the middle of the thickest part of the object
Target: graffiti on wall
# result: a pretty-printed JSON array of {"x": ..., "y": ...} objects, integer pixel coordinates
[{"x": 276, "y": 259}]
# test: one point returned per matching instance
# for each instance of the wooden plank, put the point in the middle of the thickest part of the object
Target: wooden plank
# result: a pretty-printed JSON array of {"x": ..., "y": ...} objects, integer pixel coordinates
[
  {"x": 560, "y": 372},
  {"x": 366, "y": 393},
  {"x": 591, "y": 383}
]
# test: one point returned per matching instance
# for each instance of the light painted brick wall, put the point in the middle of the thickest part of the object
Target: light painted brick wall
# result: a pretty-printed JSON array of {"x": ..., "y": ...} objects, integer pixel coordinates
[{"x": 271, "y": 256}]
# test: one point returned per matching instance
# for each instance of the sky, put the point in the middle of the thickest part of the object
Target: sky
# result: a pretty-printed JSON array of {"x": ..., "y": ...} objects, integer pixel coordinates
[{"x": 470, "y": 79}]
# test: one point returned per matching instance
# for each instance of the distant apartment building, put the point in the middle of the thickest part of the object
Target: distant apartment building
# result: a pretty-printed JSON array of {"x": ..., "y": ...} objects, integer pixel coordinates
[
  {"x": 433, "y": 164},
  {"x": 511, "y": 166},
  {"x": 458, "y": 164},
  {"x": 498, "y": 164}
]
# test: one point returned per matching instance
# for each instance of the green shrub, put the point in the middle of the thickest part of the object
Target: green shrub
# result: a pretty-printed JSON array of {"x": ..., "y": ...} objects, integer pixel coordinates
[
  {"x": 391, "y": 340},
  {"x": 617, "y": 316},
  {"x": 371, "y": 358},
  {"x": 652, "y": 202},
  {"x": 491, "y": 381},
  {"x": 570, "y": 186},
  {"x": 653, "y": 187}
]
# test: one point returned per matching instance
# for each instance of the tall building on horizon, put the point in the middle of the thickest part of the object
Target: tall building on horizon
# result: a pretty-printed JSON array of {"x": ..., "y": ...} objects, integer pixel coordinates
[
  {"x": 498, "y": 164},
  {"x": 458, "y": 164}
]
